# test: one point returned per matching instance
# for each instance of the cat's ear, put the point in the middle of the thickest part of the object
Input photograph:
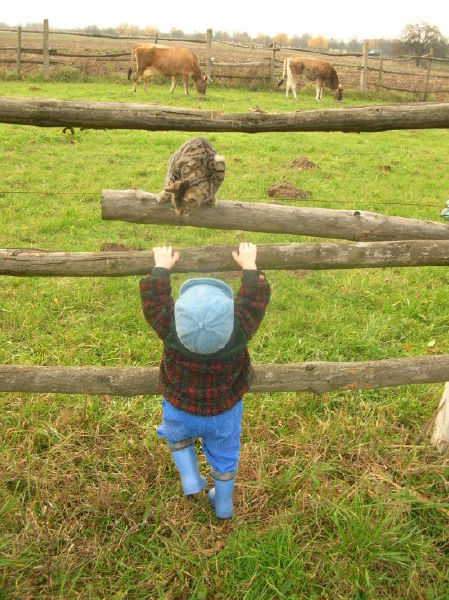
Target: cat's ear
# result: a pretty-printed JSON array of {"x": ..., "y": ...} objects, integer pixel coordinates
[
  {"x": 178, "y": 188},
  {"x": 173, "y": 188}
]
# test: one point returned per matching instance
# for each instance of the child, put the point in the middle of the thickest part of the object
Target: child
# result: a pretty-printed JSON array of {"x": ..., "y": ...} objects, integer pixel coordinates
[{"x": 205, "y": 365}]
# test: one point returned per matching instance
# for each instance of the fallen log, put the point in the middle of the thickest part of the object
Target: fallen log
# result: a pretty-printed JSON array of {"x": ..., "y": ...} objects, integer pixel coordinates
[
  {"x": 137, "y": 206},
  {"x": 316, "y": 377},
  {"x": 123, "y": 115},
  {"x": 364, "y": 255}
]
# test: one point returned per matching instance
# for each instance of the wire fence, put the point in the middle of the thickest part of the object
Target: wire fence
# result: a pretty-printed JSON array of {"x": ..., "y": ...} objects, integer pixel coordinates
[{"x": 282, "y": 199}]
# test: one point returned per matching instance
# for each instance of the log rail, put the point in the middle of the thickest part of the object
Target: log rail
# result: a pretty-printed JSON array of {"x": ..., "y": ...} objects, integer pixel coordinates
[
  {"x": 315, "y": 377},
  {"x": 122, "y": 115},
  {"x": 138, "y": 206},
  {"x": 364, "y": 255}
]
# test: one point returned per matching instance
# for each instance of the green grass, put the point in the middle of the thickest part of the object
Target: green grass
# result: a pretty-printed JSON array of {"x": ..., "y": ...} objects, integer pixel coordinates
[{"x": 334, "y": 499}]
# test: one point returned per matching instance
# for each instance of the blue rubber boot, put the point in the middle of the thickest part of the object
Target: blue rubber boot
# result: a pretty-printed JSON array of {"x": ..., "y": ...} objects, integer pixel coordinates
[
  {"x": 220, "y": 498},
  {"x": 185, "y": 461}
]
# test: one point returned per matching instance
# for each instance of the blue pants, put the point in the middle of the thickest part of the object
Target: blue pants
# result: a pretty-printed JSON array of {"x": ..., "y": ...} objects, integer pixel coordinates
[{"x": 220, "y": 435}]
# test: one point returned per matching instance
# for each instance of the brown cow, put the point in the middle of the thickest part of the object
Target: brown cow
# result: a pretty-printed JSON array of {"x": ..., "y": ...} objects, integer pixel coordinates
[
  {"x": 167, "y": 61},
  {"x": 314, "y": 69}
]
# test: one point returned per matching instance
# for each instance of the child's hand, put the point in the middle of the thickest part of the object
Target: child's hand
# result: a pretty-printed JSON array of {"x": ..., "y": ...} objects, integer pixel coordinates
[
  {"x": 165, "y": 257},
  {"x": 246, "y": 258}
]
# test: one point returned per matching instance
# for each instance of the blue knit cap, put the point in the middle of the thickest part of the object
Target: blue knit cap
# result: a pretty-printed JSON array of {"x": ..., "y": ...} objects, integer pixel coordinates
[{"x": 204, "y": 315}]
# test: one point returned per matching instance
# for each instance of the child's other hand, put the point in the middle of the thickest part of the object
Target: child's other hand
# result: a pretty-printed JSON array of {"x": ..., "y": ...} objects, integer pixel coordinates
[
  {"x": 246, "y": 257},
  {"x": 165, "y": 257}
]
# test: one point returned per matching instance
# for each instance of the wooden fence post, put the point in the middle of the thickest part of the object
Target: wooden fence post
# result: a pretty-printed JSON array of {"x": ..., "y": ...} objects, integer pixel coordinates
[
  {"x": 19, "y": 51},
  {"x": 46, "y": 52},
  {"x": 209, "y": 52},
  {"x": 364, "y": 67},
  {"x": 429, "y": 66},
  {"x": 156, "y": 35},
  {"x": 440, "y": 435},
  {"x": 379, "y": 76},
  {"x": 273, "y": 65}
]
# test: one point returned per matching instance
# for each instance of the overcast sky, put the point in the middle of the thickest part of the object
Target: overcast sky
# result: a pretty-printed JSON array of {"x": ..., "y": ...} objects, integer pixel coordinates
[{"x": 342, "y": 19}]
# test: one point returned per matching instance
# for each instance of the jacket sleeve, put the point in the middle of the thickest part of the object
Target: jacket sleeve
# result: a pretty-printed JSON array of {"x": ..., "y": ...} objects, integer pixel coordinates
[
  {"x": 251, "y": 301},
  {"x": 157, "y": 303}
]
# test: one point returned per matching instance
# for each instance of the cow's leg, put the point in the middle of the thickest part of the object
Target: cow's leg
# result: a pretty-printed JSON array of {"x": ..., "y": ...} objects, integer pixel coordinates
[
  {"x": 146, "y": 78},
  {"x": 139, "y": 73},
  {"x": 319, "y": 90},
  {"x": 185, "y": 81},
  {"x": 294, "y": 83},
  {"x": 173, "y": 82}
]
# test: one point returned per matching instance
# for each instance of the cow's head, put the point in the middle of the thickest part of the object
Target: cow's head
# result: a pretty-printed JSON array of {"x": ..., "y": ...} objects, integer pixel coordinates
[
  {"x": 338, "y": 93},
  {"x": 185, "y": 195},
  {"x": 201, "y": 84}
]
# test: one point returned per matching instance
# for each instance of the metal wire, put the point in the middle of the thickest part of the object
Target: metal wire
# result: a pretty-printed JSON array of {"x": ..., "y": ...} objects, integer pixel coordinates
[{"x": 89, "y": 193}]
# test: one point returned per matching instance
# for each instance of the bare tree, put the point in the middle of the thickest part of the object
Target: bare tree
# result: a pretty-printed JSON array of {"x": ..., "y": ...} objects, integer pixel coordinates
[
  {"x": 176, "y": 32},
  {"x": 419, "y": 38},
  {"x": 263, "y": 40},
  {"x": 355, "y": 45},
  {"x": 221, "y": 36},
  {"x": 300, "y": 41}
]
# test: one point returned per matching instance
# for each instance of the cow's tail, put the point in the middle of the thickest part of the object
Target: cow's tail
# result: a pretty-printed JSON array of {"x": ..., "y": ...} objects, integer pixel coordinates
[
  {"x": 130, "y": 70},
  {"x": 284, "y": 73}
]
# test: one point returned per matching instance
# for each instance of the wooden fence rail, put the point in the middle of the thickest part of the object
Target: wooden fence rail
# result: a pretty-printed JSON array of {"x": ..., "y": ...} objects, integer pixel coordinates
[
  {"x": 137, "y": 206},
  {"x": 13, "y": 61},
  {"x": 121, "y": 115},
  {"x": 362, "y": 255},
  {"x": 137, "y": 38},
  {"x": 315, "y": 377}
]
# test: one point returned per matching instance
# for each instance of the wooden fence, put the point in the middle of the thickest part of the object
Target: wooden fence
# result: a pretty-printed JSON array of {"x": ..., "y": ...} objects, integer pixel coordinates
[
  {"x": 136, "y": 206},
  {"x": 120, "y": 115},
  {"x": 266, "y": 70}
]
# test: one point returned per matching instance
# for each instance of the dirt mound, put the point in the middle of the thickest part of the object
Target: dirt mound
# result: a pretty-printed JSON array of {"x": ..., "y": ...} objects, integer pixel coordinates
[
  {"x": 302, "y": 162},
  {"x": 287, "y": 191}
]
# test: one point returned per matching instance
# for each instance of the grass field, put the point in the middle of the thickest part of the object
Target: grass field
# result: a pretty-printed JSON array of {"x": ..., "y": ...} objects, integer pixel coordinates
[{"x": 338, "y": 496}]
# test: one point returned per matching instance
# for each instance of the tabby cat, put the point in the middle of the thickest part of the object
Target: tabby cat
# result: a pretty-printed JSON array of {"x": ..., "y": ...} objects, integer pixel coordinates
[{"x": 194, "y": 174}]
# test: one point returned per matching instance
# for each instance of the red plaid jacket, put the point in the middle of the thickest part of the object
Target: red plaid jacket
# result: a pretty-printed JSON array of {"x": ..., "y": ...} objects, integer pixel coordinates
[{"x": 199, "y": 384}]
